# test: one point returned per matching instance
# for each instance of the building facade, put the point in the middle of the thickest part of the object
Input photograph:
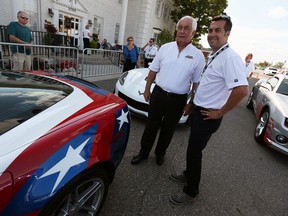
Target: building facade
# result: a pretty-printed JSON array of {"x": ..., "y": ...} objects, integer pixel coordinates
[{"x": 110, "y": 19}]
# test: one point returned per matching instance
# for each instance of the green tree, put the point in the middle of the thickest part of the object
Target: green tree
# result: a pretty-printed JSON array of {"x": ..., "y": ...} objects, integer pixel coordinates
[
  {"x": 279, "y": 65},
  {"x": 164, "y": 37},
  {"x": 203, "y": 10}
]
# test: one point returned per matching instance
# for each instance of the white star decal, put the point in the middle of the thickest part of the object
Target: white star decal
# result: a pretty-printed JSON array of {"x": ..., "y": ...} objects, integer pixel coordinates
[
  {"x": 123, "y": 118},
  {"x": 71, "y": 159}
]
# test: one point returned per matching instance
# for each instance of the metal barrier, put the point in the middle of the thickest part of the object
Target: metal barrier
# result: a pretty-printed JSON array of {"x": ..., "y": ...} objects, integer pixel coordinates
[
  {"x": 99, "y": 62},
  {"x": 65, "y": 60}
]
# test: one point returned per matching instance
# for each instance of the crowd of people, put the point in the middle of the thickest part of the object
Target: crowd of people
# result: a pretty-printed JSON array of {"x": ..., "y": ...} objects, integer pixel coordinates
[{"x": 218, "y": 86}]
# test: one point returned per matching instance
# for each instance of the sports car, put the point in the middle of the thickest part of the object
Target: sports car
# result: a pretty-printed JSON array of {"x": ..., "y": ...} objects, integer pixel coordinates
[
  {"x": 269, "y": 99},
  {"x": 130, "y": 87},
  {"x": 61, "y": 140}
]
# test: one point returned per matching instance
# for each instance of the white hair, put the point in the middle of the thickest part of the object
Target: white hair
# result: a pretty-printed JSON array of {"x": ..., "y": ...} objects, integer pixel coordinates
[{"x": 193, "y": 22}]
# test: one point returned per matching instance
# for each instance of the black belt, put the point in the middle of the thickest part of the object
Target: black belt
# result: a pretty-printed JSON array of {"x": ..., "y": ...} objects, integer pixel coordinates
[{"x": 169, "y": 93}]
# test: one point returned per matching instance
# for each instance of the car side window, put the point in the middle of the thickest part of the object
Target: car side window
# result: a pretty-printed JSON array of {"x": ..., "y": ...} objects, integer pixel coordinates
[
  {"x": 283, "y": 88},
  {"x": 273, "y": 82}
]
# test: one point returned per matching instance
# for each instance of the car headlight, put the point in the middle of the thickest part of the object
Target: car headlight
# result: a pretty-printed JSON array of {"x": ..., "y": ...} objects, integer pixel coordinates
[{"x": 122, "y": 78}]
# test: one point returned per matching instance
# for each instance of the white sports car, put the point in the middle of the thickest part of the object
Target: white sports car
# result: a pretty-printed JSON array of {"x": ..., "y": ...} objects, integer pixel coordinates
[
  {"x": 269, "y": 100},
  {"x": 130, "y": 87}
]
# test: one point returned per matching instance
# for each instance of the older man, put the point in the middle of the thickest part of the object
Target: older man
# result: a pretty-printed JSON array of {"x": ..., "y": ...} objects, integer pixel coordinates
[
  {"x": 175, "y": 68},
  {"x": 19, "y": 33},
  {"x": 222, "y": 86}
]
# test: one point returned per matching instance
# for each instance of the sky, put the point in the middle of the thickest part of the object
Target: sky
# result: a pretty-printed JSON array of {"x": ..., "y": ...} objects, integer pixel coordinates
[{"x": 259, "y": 27}]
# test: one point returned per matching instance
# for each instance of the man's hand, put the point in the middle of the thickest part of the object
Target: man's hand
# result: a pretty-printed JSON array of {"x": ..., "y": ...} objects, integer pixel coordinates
[{"x": 147, "y": 95}]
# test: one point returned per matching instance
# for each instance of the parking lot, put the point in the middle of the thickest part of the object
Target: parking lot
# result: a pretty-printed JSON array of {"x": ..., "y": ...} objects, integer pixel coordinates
[{"x": 240, "y": 177}]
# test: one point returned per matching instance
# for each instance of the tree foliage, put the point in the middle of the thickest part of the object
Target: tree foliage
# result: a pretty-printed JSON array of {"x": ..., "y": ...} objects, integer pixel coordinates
[
  {"x": 203, "y": 10},
  {"x": 164, "y": 37}
]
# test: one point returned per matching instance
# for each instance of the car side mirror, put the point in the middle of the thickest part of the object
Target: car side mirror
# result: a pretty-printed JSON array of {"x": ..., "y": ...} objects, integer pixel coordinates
[{"x": 266, "y": 86}]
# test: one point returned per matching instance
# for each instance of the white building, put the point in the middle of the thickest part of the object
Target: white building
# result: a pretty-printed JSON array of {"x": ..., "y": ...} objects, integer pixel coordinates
[{"x": 110, "y": 19}]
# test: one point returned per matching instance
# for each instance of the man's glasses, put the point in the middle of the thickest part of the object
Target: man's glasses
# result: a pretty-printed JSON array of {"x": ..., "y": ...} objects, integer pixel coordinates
[{"x": 25, "y": 18}]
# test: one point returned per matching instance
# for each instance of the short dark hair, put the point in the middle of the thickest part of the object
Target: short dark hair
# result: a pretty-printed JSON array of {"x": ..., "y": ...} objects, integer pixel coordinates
[
  {"x": 227, "y": 19},
  {"x": 152, "y": 39}
]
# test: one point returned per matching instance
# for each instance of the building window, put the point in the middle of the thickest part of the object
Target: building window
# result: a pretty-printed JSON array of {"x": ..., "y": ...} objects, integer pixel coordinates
[
  {"x": 166, "y": 13},
  {"x": 31, "y": 7},
  {"x": 162, "y": 9},
  {"x": 157, "y": 8},
  {"x": 97, "y": 25},
  {"x": 117, "y": 29}
]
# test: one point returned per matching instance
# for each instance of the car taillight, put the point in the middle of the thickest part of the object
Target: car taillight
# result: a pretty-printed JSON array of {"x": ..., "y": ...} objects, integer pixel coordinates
[{"x": 286, "y": 122}]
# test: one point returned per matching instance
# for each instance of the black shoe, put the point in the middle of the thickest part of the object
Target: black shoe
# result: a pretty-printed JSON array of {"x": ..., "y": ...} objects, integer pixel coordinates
[
  {"x": 159, "y": 160},
  {"x": 181, "y": 198},
  {"x": 138, "y": 158},
  {"x": 178, "y": 178}
]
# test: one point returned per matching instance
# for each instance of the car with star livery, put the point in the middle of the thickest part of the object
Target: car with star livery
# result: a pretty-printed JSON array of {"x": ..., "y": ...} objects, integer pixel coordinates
[
  {"x": 130, "y": 87},
  {"x": 269, "y": 100},
  {"x": 61, "y": 141}
]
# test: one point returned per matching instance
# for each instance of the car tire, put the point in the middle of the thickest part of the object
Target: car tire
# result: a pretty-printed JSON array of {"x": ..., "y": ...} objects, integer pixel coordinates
[
  {"x": 261, "y": 127},
  {"x": 85, "y": 195},
  {"x": 249, "y": 104}
]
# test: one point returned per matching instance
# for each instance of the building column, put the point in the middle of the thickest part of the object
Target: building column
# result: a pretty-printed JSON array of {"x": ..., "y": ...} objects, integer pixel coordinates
[{"x": 123, "y": 22}]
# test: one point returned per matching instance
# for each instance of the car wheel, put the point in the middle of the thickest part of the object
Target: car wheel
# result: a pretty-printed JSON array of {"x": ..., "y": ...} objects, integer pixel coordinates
[
  {"x": 261, "y": 126},
  {"x": 249, "y": 104},
  {"x": 85, "y": 195}
]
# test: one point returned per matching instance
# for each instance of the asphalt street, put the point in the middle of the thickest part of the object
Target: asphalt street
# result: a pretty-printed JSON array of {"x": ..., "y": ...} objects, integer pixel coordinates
[{"x": 239, "y": 176}]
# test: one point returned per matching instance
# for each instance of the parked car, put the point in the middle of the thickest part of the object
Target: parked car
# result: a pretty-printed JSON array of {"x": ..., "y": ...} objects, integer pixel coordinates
[
  {"x": 270, "y": 71},
  {"x": 269, "y": 100},
  {"x": 61, "y": 140},
  {"x": 130, "y": 87}
]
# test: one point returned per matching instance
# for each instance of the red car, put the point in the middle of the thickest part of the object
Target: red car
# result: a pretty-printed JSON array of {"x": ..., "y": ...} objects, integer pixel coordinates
[{"x": 61, "y": 140}]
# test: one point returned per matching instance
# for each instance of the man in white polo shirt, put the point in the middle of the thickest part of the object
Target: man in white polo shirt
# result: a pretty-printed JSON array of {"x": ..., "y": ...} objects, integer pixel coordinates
[
  {"x": 150, "y": 51},
  {"x": 222, "y": 86},
  {"x": 175, "y": 68}
]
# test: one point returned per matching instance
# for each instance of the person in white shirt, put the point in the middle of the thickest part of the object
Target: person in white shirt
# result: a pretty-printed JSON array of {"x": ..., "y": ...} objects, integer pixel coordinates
[
  {"x": 175, "y": 68},
  {"x": 86, "y": 38},
  {"x": 150, "y": 50},
  {"x": 223, "y": 84},
  {"x": 249, "y": 65}
]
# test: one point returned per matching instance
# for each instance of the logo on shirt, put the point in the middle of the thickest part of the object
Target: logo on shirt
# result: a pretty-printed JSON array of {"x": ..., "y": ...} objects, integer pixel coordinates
[
  {"x": 235, "y": 80},
  {"x": 189, "y": 57}
]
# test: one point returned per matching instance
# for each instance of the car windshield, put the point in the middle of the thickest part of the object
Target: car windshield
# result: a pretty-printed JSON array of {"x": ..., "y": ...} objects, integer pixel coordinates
[
  {"x": 24, "y": 95},
  {"x": 283, "y": 88}
]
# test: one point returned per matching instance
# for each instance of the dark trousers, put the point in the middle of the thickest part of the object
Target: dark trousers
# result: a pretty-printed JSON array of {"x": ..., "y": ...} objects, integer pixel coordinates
[
  {"x": 86, "y": 44},
  {"x": 165, "y": 110},
  {"x": 201, "y": 132},
  {"x": 128, "y": 65},
  {"x": 146, "y": 62}
]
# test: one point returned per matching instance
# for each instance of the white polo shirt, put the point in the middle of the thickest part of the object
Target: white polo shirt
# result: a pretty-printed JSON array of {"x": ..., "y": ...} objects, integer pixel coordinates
[
  {"x": 150, "y": 51},
  {"x": 177, "y": 71},
  {"x": 224, "y": 73}
]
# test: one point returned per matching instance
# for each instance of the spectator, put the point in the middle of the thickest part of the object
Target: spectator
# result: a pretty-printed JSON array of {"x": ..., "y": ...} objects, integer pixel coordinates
[
  {"x": 105, "y": 46},
  {"x": 222, "y": 86},
  {"x": 249, "y": 65},
  {"x": 131, "y": 54},
  {"x": 176, "y": 66},
  {"x": 86, "y": 38},
  {"x": 150, "y": 50},
  {"x": 19, "y": 33},
  {"x": 116, "y": 46}
]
